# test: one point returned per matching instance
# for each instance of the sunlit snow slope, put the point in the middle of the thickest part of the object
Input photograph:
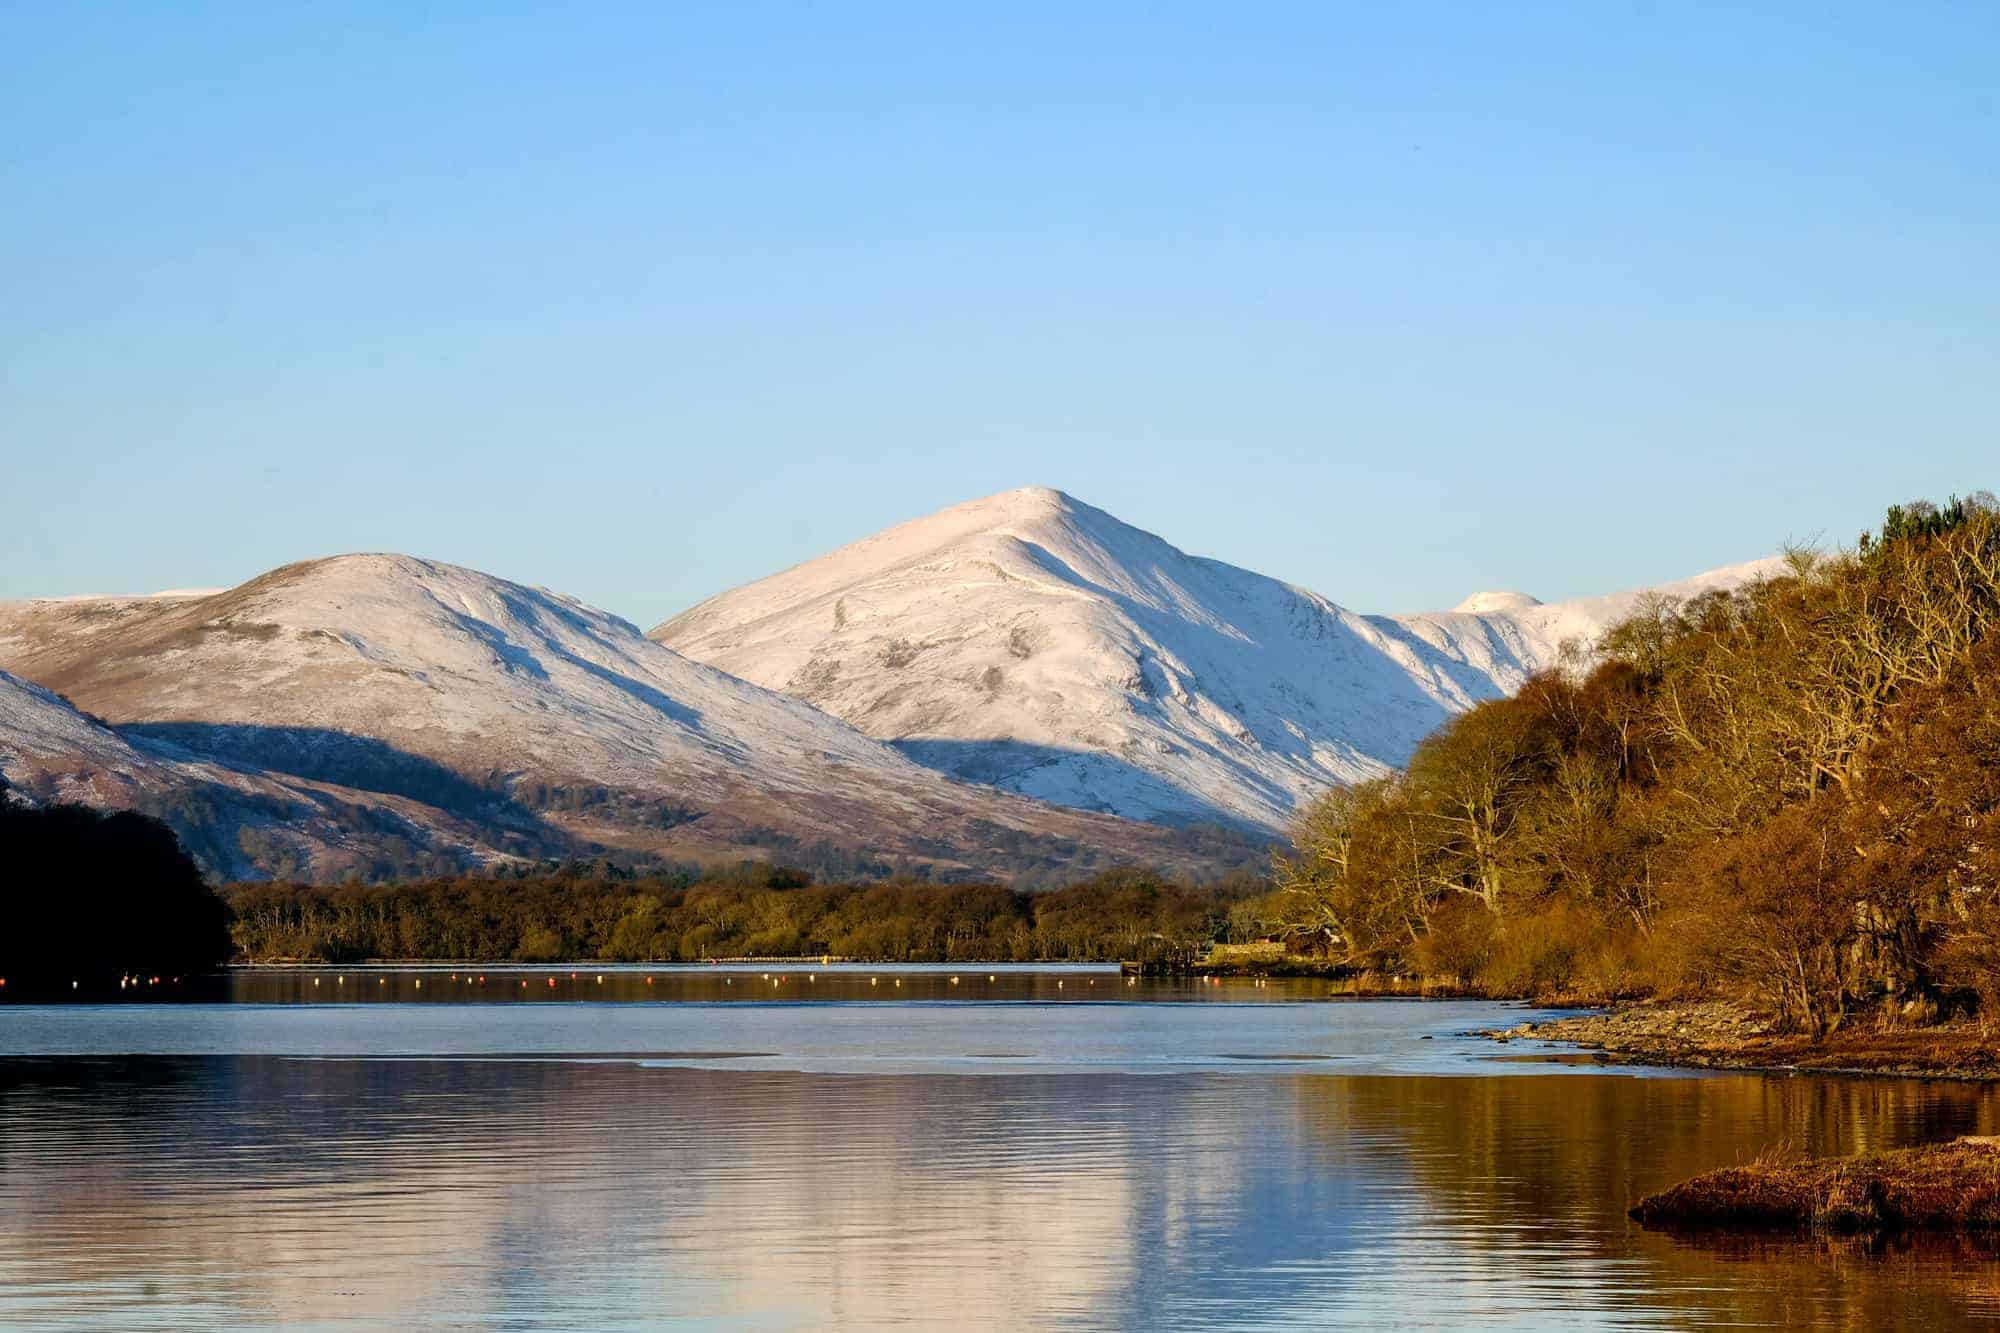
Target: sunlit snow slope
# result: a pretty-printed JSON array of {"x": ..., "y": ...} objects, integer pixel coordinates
[{"x": 1032, "y": 641}]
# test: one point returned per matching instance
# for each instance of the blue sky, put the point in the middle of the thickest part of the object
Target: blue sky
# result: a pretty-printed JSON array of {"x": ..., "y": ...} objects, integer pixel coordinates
[{"x": 641, "y": 302}]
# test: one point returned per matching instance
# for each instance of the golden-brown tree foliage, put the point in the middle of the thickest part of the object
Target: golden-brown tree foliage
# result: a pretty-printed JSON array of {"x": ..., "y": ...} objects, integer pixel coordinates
[{"x": 1790, "y": 789}]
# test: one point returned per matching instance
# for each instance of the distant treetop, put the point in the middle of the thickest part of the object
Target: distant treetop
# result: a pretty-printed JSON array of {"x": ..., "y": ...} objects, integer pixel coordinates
[{"x": 1921, "y": 518}]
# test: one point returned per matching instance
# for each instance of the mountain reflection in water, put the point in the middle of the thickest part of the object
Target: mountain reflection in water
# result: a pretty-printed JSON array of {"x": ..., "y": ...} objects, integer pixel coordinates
[{"x": 223, "y": 1191}]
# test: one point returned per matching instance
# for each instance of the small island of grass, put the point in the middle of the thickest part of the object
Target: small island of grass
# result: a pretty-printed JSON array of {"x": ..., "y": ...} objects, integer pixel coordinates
[{"x": 1941, "y": 1187}]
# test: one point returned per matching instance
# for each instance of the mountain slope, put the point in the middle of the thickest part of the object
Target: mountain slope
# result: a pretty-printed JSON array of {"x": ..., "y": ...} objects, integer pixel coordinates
[
  {"x": 237, "y": 820},
  {"x": 1035, "y": 642},
  {"x": 513, "y": 707}
]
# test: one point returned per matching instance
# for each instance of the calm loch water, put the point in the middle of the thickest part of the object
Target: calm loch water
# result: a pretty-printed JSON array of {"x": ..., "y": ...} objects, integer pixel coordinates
[{"x": 1022, "y": 1154}]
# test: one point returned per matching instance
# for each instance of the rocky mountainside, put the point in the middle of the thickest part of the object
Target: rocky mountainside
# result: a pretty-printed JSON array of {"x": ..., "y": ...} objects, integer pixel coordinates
[
  {"x": 1031, "y": 641},
  {"x": 524, "y": 716}
]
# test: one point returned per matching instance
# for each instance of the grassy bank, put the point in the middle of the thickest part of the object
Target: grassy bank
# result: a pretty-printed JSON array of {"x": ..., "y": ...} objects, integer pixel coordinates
[{"x": 1943, "y": 1187}]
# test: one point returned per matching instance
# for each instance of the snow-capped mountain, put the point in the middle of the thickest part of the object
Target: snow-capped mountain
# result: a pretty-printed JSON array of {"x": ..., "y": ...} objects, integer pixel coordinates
[
  {"x": 515, "y": 709},
  {"x": 1034, "y": 642}
]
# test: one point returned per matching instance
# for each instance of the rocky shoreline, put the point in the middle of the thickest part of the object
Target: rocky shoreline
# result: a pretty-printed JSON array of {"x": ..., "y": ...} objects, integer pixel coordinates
[{"x": 1719, "y": 1034}]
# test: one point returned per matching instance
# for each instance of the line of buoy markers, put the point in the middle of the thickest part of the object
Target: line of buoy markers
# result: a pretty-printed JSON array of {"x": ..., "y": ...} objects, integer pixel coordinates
[
  {"x": 340, "y": 979},
  {"x": 600, "y": 978}
]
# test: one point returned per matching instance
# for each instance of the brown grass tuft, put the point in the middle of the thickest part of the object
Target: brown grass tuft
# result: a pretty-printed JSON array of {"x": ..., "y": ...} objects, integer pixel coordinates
[{"x": 1944, "y": 1187}]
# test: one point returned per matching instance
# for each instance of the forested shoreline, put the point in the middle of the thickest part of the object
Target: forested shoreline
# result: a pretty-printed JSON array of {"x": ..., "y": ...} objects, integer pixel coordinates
[
  {"x": 148, "y": 911},
  {"x": 598, "y": 912},
  {"x": 1788, "y": 794}
]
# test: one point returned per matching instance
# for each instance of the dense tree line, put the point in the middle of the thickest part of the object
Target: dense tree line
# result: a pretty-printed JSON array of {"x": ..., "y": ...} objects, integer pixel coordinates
[
  {"x": 91, "y": 897},
  {"x": 1790, "y": 791},
  {"x": 599, "y": 912}
]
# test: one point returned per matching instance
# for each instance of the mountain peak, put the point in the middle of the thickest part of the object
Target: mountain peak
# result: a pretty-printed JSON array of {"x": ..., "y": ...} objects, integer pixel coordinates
[
  {"x": 1495, "y": 602},
  {"x": 364, "y": 566},
  {"x": 1025, "y": 507},
  {"x": 1034, "y": 497},
  {"x": 1033, "y": 641}
]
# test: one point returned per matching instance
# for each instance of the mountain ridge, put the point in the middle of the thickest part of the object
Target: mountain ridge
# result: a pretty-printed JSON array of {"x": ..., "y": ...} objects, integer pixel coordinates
[{"x": 493, "y": 701}]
